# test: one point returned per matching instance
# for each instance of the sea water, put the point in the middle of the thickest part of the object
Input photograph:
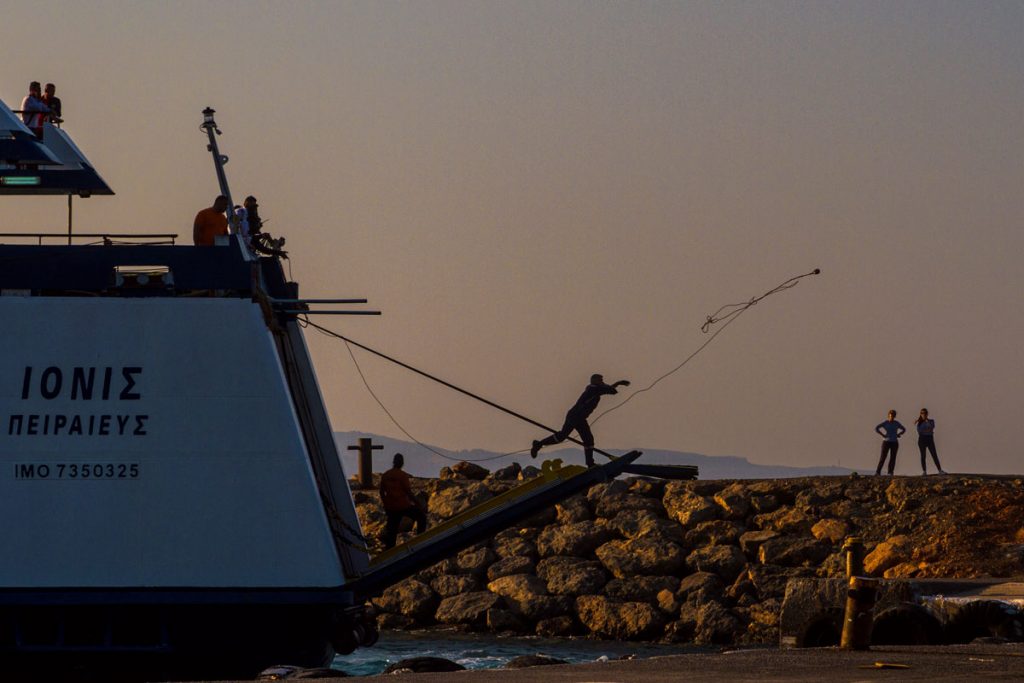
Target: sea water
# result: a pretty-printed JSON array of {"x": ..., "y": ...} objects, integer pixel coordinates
[{"x": 488, "y": 651}]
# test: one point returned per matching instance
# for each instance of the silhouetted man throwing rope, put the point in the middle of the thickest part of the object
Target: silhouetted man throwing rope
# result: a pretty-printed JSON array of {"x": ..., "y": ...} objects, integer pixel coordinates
[{"x": 576, "y": 418}]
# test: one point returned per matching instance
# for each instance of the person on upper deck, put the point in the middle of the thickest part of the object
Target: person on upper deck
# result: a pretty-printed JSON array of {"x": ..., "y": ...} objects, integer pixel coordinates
[
  {"x": 51, "y": 100},
  {"x": 33, "y": 110},
  {"x": 397, "y": 497},
  {"x": 576, "y": 418},
  {"x": 210, "y": 223}
]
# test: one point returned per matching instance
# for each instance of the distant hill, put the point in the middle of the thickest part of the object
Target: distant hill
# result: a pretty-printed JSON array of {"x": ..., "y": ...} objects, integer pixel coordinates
[{"x": 421, "y": 462}]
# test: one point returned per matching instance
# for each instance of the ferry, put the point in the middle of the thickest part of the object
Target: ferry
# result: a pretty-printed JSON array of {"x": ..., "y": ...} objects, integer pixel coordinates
[{"x": 174, "y": 501}]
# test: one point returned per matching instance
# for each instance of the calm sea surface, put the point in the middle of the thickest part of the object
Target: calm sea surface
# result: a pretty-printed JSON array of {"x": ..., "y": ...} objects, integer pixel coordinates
[{"x": 487, "y": 651}]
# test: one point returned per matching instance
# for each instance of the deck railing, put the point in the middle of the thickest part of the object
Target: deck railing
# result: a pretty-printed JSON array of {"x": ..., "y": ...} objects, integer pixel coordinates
[{"x": 106, "y": 239}]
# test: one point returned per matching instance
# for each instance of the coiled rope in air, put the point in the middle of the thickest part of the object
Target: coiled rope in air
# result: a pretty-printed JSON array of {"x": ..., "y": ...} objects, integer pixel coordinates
[
  {"x": 728, "y": 313},
  {"x": 734, "y": 311}
]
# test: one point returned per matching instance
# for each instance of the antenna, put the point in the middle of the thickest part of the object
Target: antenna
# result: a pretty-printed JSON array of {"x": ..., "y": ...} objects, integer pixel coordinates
[{"x": 210, "y": 126}]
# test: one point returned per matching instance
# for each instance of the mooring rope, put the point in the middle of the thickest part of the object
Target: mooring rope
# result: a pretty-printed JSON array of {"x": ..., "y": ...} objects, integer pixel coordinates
[
  {"x": 734, "y": 312},
  {"x": 728, "y": 313},
  {"x": 459, "y": 389}
]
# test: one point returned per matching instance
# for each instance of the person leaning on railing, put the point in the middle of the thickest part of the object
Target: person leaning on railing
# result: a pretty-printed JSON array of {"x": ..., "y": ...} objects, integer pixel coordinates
[{"x": 33, "y": 110}]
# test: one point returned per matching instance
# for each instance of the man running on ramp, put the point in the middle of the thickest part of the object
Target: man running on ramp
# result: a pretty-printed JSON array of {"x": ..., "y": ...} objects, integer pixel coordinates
[{"x": 576, "y": 418}]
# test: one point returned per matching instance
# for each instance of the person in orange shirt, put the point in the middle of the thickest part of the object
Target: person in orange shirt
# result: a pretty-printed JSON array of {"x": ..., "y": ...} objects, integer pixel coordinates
[
  {"x": 396, "y": 495},
  {"x": 210, "y": 223}
]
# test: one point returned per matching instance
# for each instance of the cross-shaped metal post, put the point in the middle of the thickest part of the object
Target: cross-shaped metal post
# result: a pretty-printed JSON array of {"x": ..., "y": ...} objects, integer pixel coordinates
[{"x": 366, "y": 448}]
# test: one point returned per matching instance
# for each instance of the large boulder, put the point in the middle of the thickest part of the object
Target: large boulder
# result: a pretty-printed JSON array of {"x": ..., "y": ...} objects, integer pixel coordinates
[
  {"x": 734, "y": 501},
  {"x": 903, "y": 495},
  {"x": 578, "y": 539},
  {"x": 642, "y": 523},
  {"x": 507, "y": 566},
  {"x": 704, "y": 585},
  {"x": 419, "y": 665},
  {"x": 644, "y": 555},
  {"x": 764, "y": 502},
  {"x": 475, "y": 560},
  {"x": 770, "y": 581},
  {"x": 514, "y": 547},
  {"x": 608, "y": 506},
  {"x": 507, "y": 473},
  {"x": 411, "y": 598},
  {"x": 517, "y": 587},
  {"x": 793, "y": 552},
  {"x": 681, "y": 630},
  {"x": 470, "y": 470},
  {"x": 640, "y": 588},
  {"x": 526, "y": 595},
  {"x": 688, "y": 507},
  {"x": 751, "y": 541},
  {"x": 541, "y": 519},
  {"x": 572, "y": 575},
  {"x": 388, "y": 621},
  {"x": 613, "y": 488},
  {"x": 452, "y": 500},
  {"x": 529, "y": 472},
  {"x": 467, "y": 608},
  {"x": 715, "y": 532},
  {"x": 646, "y": 486},
  {"x": 715, "y": 625},
  {"x": 448, "y": 585},
  {"x": 833, "y": 531},
  {"x": 619, "y": 620},
  {"x": 667, "y": 601},
  {"x": 499, "y": 486},
  {"x": 505, "y": 621},
  {"x": 557, "y": 627},
  {"x": 525, "y": 661},
  {"x": 726, "y": 561},
  {"x": 812, "y": 499},
  {"x": 763, "y": 627},
  {"x": 527, "y": 533},
  {"x": 785, "y": 520},
  {"x": 446, "y": 566},
  {"x": 573, "y": 509},
  {"x": 784, "y": 490},
  {"x": 372, "y": 519},
  {"x": 889, "y": 553}
]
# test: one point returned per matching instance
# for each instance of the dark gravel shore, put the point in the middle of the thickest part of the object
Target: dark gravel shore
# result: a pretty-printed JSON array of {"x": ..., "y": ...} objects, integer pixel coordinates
[{"x": 947, "y": 663}]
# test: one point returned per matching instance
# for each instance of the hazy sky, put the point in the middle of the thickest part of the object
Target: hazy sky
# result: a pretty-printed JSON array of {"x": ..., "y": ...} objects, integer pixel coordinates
[{"x": 535, "y": 191}]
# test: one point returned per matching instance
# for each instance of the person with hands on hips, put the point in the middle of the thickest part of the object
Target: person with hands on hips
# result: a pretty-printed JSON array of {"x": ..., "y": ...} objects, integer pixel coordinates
[{"x": 890, "y": 431}]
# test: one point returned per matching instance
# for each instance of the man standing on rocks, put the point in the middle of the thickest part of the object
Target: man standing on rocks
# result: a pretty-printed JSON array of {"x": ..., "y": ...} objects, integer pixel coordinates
[
  {"x": 576, "y": 418},
  {"x": 396, "y": 495}
]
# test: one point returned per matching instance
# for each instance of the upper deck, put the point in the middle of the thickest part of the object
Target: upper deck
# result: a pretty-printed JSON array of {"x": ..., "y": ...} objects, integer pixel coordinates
[
  {"x": 133, "y": 270},
  {"x": 137, "y": 269}
]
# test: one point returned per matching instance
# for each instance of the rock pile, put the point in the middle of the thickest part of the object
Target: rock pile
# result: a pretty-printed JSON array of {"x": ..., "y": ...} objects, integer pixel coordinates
[{"x": 699, "y": 561}]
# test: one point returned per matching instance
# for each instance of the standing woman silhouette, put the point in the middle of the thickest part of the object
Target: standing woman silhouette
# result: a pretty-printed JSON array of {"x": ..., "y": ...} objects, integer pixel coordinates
[
  {"x": 890, "y": 431},
  {"x": 926, "y": 440}
]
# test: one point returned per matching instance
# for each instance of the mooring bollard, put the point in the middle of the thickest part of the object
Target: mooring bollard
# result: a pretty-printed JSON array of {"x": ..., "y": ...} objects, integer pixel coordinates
[
  {"x": 854, "y": 556},
  {"x": 859, "y": 615},
  {"x": 860, "y": 599}
]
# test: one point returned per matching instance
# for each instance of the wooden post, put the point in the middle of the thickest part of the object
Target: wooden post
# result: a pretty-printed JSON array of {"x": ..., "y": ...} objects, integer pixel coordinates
[{"x": 366, "y": 448}]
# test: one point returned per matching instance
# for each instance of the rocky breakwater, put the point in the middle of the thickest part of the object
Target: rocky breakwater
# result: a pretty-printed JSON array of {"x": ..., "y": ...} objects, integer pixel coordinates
[{"x": 698, "y": 561}]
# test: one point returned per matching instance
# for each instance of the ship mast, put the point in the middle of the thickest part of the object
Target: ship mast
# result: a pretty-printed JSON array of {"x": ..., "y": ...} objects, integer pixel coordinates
[{"x": 210, "y": 126}]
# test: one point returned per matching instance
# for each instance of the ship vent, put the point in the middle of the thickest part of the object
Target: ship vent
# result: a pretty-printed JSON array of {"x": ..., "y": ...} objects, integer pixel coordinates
[{"x": 143, "y": 277}]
